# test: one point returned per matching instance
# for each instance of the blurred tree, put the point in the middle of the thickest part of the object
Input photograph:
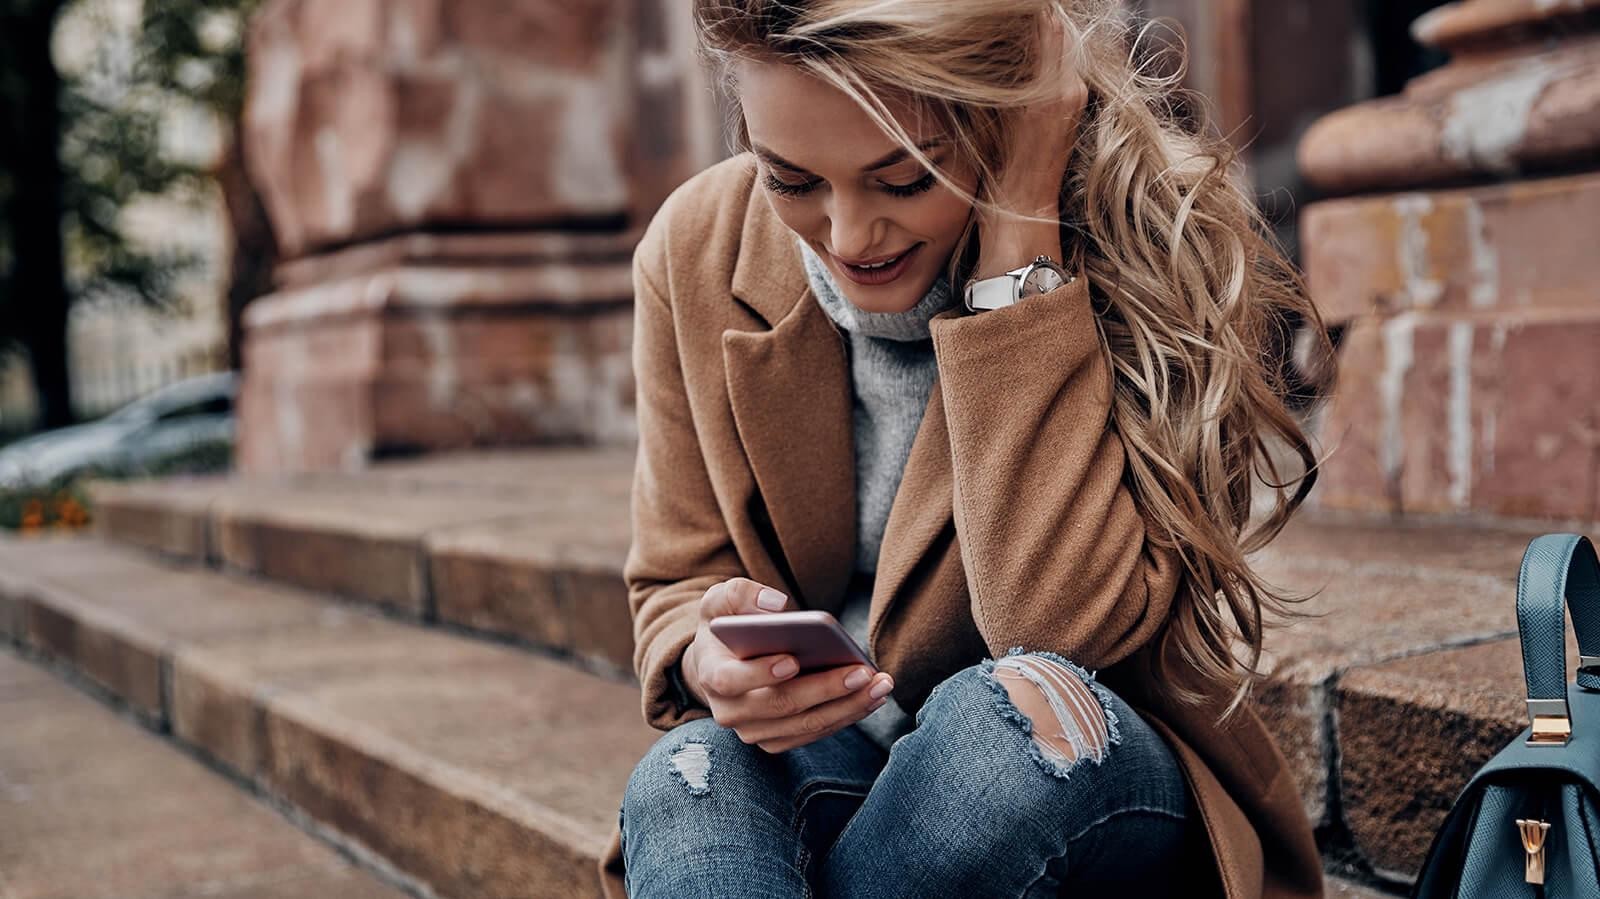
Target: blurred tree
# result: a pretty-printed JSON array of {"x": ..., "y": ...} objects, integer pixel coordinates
[
  {"x": 33, "y": 291},
  {"x": 77, "y": 148},
  {"x": 195, "y": 48}
]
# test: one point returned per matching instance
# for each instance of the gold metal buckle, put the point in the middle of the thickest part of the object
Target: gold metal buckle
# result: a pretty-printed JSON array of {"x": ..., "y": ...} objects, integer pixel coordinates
[
  {"x": 1551, "y": 720},
  {"x": 1550, "y": 730},
  {"x": 1533, "y": 831}
]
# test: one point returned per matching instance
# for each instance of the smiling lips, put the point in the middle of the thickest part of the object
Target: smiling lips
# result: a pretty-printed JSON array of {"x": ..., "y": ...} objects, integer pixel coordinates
[{"x": 882, "y": 274}]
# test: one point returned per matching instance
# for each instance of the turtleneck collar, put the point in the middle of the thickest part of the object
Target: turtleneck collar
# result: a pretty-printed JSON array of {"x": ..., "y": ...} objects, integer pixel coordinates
[{"x": 912, "y": 324}]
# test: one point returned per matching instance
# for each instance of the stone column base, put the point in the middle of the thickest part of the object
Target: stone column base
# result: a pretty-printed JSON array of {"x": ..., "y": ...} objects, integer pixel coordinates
[
  {"x": 439, "y": 342},
  {"x": 1469, "y": 372}
]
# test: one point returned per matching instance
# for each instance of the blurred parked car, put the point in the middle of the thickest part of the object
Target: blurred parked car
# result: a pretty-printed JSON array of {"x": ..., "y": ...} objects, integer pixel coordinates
[{"x": 177, "y": 427}]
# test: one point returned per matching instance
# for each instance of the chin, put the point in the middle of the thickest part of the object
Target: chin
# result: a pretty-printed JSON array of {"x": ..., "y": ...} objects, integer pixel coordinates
[{"x": 901, "y": 296}]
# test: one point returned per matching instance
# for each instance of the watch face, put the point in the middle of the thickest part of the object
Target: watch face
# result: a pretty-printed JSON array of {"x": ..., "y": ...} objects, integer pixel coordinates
[{"x": 1042, "y": 279}]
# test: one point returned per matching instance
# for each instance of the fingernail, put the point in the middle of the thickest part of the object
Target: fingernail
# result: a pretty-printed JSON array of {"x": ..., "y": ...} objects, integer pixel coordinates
[
  {"x": 855, "y": 679},
  {"x": 784, "y": 668},
  {"x": 881, "y": 689},
  {"x": 770, "y": 599}
]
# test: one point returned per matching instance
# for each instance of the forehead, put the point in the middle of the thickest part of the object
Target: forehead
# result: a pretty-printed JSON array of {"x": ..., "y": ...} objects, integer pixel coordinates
[{"x": 815, "y": 125}]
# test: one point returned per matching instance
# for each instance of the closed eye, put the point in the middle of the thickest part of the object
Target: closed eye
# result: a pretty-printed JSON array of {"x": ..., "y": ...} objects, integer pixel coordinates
[{"x": 783, "y": 188}]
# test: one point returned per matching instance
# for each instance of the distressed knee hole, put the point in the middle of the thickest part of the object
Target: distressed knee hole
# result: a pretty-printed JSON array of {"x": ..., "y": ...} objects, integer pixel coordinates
[
  {"x": 1060, "y": 706},
  {"x": 691, "y": 763}
]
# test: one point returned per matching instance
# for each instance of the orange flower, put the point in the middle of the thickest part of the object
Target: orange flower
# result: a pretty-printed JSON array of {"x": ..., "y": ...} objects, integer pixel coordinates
[
  {"x": 32, "y": 515},
  {"x": 70, "y": 513}
]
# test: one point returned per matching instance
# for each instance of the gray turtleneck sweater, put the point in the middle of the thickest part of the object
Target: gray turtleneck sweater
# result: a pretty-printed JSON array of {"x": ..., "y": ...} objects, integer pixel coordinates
[{"x": 892, "y": 371}]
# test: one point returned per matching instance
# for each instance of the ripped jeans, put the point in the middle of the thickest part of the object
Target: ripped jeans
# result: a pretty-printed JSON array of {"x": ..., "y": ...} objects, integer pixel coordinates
[{"x": 978, "y": 800}]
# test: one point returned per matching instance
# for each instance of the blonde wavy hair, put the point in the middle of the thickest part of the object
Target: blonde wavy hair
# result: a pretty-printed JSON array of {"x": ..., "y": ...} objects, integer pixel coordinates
[{"x": 1195, "y": 302}]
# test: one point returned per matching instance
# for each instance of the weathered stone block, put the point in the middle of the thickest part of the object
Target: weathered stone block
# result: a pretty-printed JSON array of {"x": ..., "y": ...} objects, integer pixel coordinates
[
  {"x": 1412, "y": 733},
  {"x": 554, "y": 580},
  {"x": 218, "y": 718},
  {"x": 414, "y": 358},
  {"x": 122, "y": 660},
  {"x": 172, "y": 519},
  {"x": 1503, "y": 247},
  {"x": 1533, "y": 109},
  {"x": 1456, "y": 414},
  {"x": 374, "y": 116}
]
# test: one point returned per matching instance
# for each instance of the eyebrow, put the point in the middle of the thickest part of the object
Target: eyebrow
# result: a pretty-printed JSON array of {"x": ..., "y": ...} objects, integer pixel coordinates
[{"x": 897, "y": 155}]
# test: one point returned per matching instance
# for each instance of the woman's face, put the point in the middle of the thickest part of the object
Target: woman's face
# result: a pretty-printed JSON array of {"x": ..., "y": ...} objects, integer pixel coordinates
[{"x": 848, "y": 189}]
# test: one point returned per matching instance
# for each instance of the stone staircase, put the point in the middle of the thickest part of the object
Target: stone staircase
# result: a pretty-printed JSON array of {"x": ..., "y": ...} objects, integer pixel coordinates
[{"x": 429, "y": 663}]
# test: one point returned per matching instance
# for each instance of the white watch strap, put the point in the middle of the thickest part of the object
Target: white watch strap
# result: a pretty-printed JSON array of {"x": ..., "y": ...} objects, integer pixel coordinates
[
  {"x": 994, "y": 293},
  {"x": 1006, "y": 289}
]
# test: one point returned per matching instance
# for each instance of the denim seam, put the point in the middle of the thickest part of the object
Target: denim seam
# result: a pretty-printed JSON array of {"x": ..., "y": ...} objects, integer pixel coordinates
[
  {"x": 815, "y": 788},
  {"x": 1147, "y": 809},
  {"x": 1067, "y": 846},
  {"x": 804, "y": 864},
  {"x": 1009, "y": 709}
]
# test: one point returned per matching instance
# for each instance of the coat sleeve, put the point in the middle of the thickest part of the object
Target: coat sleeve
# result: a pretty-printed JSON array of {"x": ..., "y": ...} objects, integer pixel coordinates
[
  {"x": 680, "y": 544},
  {"x": 1055, "y": 551}
]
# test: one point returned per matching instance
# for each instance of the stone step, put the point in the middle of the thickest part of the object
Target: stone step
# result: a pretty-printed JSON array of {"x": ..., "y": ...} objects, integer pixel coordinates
[
  {"x": 467, "y": 768},
  {"x": 473, "y": 768},
  {"x": 94, "y": 807},
  {"x": 526, "y": 546},
  {"x": 548, "y": 574}
]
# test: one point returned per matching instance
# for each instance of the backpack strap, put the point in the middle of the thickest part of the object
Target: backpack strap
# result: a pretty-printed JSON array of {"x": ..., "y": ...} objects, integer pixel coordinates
[{"x": 1557, "y": 570}]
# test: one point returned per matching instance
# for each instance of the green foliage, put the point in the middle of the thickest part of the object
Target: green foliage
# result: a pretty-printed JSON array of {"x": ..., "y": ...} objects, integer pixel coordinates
[
  {"x": 111, "y": 156},
  {"x": 59, "y": 506},
  {"x": 65, "y": 503},
  {"x": 196, "y": 48},
  {"x": 111, "y": 116}
]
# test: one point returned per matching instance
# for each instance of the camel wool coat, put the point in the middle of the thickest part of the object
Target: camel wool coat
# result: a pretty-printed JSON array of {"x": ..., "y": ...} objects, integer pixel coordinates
[{"x": 1011, "y": 527}]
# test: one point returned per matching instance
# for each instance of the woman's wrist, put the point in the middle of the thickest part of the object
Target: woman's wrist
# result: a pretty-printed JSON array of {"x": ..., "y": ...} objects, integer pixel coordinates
[
  {"x": 690, "y": 688},
  {"x": 1008, "y": 246}
]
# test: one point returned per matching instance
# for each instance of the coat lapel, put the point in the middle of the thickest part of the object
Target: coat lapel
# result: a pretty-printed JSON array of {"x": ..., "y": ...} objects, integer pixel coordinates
[
  {"x": 789, "y": 389},
  {"x": 921, "y": 509}
]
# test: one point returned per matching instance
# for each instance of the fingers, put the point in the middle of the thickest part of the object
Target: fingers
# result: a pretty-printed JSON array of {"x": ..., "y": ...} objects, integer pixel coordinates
[
  {"x": 740, "y": 596},
  {"x": 731, "y": 677},
  {"x": 819, "y": 721},
  {"x": 774, "y": 709}
]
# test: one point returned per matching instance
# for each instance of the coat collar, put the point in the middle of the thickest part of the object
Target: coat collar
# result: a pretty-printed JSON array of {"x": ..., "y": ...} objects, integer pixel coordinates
[{"x": 789, "y": 387}]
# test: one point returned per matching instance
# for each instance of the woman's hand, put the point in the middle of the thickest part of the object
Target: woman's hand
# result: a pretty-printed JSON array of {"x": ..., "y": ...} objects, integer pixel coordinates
[
  {"x": 1029, "y": 182},
  {"x": 760, "y": 698}
]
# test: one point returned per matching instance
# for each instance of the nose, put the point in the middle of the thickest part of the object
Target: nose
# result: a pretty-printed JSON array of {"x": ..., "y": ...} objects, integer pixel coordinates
[{"x": 854, "y": 228}]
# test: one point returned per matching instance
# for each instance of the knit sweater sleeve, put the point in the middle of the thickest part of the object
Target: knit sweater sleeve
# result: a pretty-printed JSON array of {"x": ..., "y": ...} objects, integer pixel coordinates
[{"x": 1056, "y": 553}]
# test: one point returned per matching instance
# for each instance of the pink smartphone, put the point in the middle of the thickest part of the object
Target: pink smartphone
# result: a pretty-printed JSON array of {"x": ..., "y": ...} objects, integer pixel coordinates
[{"x": 815, "y": 638}]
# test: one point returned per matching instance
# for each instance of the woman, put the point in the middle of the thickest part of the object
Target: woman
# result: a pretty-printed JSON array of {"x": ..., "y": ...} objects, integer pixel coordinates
[{"x": 995, "y": 500}]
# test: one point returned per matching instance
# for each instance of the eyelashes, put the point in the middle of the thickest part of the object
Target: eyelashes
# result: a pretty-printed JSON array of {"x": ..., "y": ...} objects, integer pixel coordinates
[{"x": 897, "y": 190}]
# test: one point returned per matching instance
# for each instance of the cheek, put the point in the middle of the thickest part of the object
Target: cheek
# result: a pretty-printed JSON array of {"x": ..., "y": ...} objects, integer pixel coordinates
[
  {"x": 945, "y": 217},
  {"x": 800, "y": 216}
]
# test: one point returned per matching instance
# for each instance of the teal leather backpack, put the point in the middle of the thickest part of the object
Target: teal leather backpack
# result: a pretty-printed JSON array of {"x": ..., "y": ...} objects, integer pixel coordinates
[{"x": 1528, "y": 823}]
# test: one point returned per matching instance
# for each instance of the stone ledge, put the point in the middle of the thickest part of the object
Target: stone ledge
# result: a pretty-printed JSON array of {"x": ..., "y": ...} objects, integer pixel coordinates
[
  {"x": 521, "y": 545},
  {"x": 357, "y": 721},
  {"x": 1460, "y": 707},
  {"x": 171, "y": 516},
  {"x": 548, "y": 573},
  {"x": 1537, "y": 109},
  {"x": 94, "y": 806},
  {"x": 1386, "y": 590},
  {"x": 1473, "y": 25}
]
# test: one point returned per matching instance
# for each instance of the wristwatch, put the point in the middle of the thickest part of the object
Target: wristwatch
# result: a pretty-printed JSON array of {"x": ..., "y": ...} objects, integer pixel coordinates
[{"x": 1042, "y": 275}]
